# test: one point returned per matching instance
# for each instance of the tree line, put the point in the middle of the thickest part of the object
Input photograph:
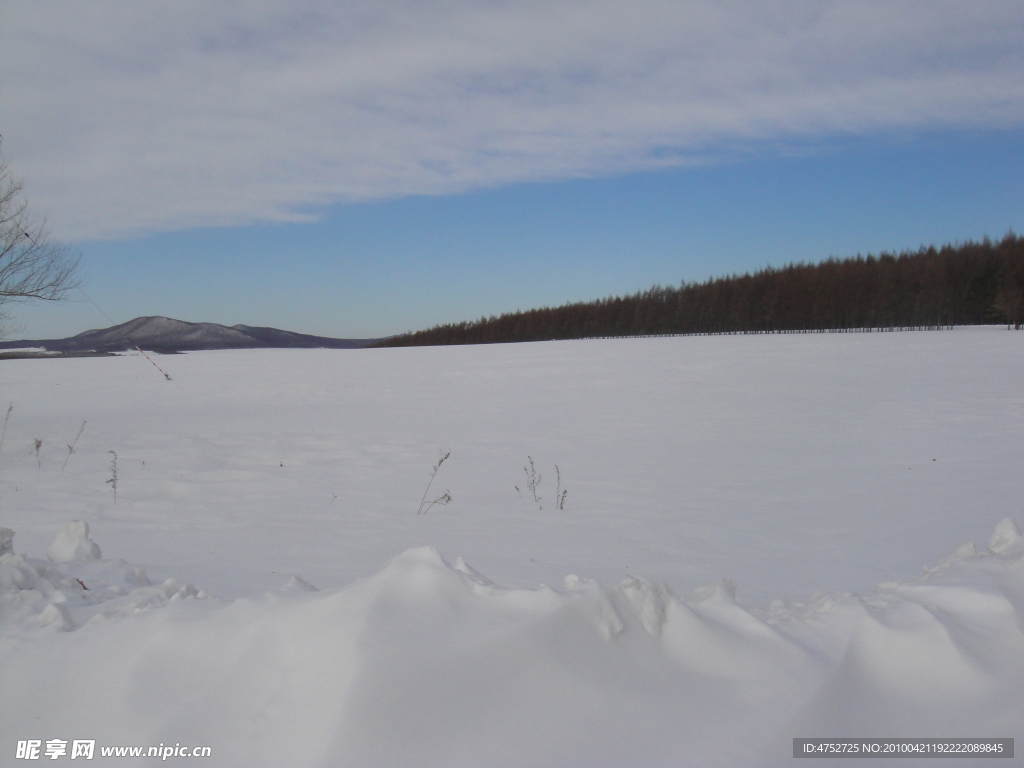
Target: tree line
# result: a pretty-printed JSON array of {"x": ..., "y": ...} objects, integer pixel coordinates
[{"x": 974, "y": 283}]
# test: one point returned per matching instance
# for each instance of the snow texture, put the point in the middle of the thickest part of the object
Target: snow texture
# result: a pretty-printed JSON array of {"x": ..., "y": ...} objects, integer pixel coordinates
[{"x": 805, "y": 460}]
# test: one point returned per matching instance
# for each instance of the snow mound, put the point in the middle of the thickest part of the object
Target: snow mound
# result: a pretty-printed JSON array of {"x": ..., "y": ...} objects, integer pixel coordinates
[
  {"x": 297, "y": 584},
  {"x": 73, "y": 543},
  {"x": 1005, "y": 536},
  {"x": 75, "y": 587},
  {"x": 432, "y": 664}
]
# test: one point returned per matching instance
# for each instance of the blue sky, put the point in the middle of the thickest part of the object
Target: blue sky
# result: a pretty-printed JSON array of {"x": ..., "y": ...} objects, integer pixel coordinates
[{"x": 351, "y": 173}]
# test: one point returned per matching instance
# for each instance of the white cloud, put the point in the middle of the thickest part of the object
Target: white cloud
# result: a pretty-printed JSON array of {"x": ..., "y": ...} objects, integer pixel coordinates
[{"x": 133, "y": 117}]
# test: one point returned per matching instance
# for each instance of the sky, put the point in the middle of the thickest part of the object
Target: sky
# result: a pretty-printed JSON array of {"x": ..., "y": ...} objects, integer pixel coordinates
[{"x": 363, "y": 169}]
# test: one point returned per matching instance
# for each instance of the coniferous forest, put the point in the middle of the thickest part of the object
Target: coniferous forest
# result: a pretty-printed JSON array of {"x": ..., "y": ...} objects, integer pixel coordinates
[{"x": 965, "y": 284}]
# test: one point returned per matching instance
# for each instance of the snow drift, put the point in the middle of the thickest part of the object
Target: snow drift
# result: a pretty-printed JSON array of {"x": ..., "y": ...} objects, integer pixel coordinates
[{"x": 429, "y": 663}]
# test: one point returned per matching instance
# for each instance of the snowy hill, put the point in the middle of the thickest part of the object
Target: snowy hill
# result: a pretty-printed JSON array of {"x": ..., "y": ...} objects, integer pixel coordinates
[{"x": 163, "y": 334}]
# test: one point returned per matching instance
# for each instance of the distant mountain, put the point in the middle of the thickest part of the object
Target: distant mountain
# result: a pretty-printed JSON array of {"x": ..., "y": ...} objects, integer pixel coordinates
[{"x": 162, "y": 334}]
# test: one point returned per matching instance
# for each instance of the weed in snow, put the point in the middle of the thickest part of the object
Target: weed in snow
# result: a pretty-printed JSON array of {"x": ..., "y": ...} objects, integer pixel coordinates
[
  {"x": 533, "y": 481},
  {"x": 112, "y": 482},
  {"x": 443, "y": 499},
  {"x": 71, "y": 446},
  {"x": 6, "y": 419}
]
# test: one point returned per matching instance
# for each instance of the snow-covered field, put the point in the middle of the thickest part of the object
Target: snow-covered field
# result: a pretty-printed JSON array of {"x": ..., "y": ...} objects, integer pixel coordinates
[{"x": 738, "y": 560}]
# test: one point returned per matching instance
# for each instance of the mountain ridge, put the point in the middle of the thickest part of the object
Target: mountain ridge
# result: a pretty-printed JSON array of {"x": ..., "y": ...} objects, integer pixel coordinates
[{"x": 164, "y": 334}]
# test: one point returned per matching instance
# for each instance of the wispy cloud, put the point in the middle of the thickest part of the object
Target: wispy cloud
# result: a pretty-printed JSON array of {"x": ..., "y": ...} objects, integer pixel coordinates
[{"x": 128, "y": 118}]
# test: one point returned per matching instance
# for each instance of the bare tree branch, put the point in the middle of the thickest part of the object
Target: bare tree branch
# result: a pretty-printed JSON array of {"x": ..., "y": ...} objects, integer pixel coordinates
[{"x": 32, "y": 266}]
